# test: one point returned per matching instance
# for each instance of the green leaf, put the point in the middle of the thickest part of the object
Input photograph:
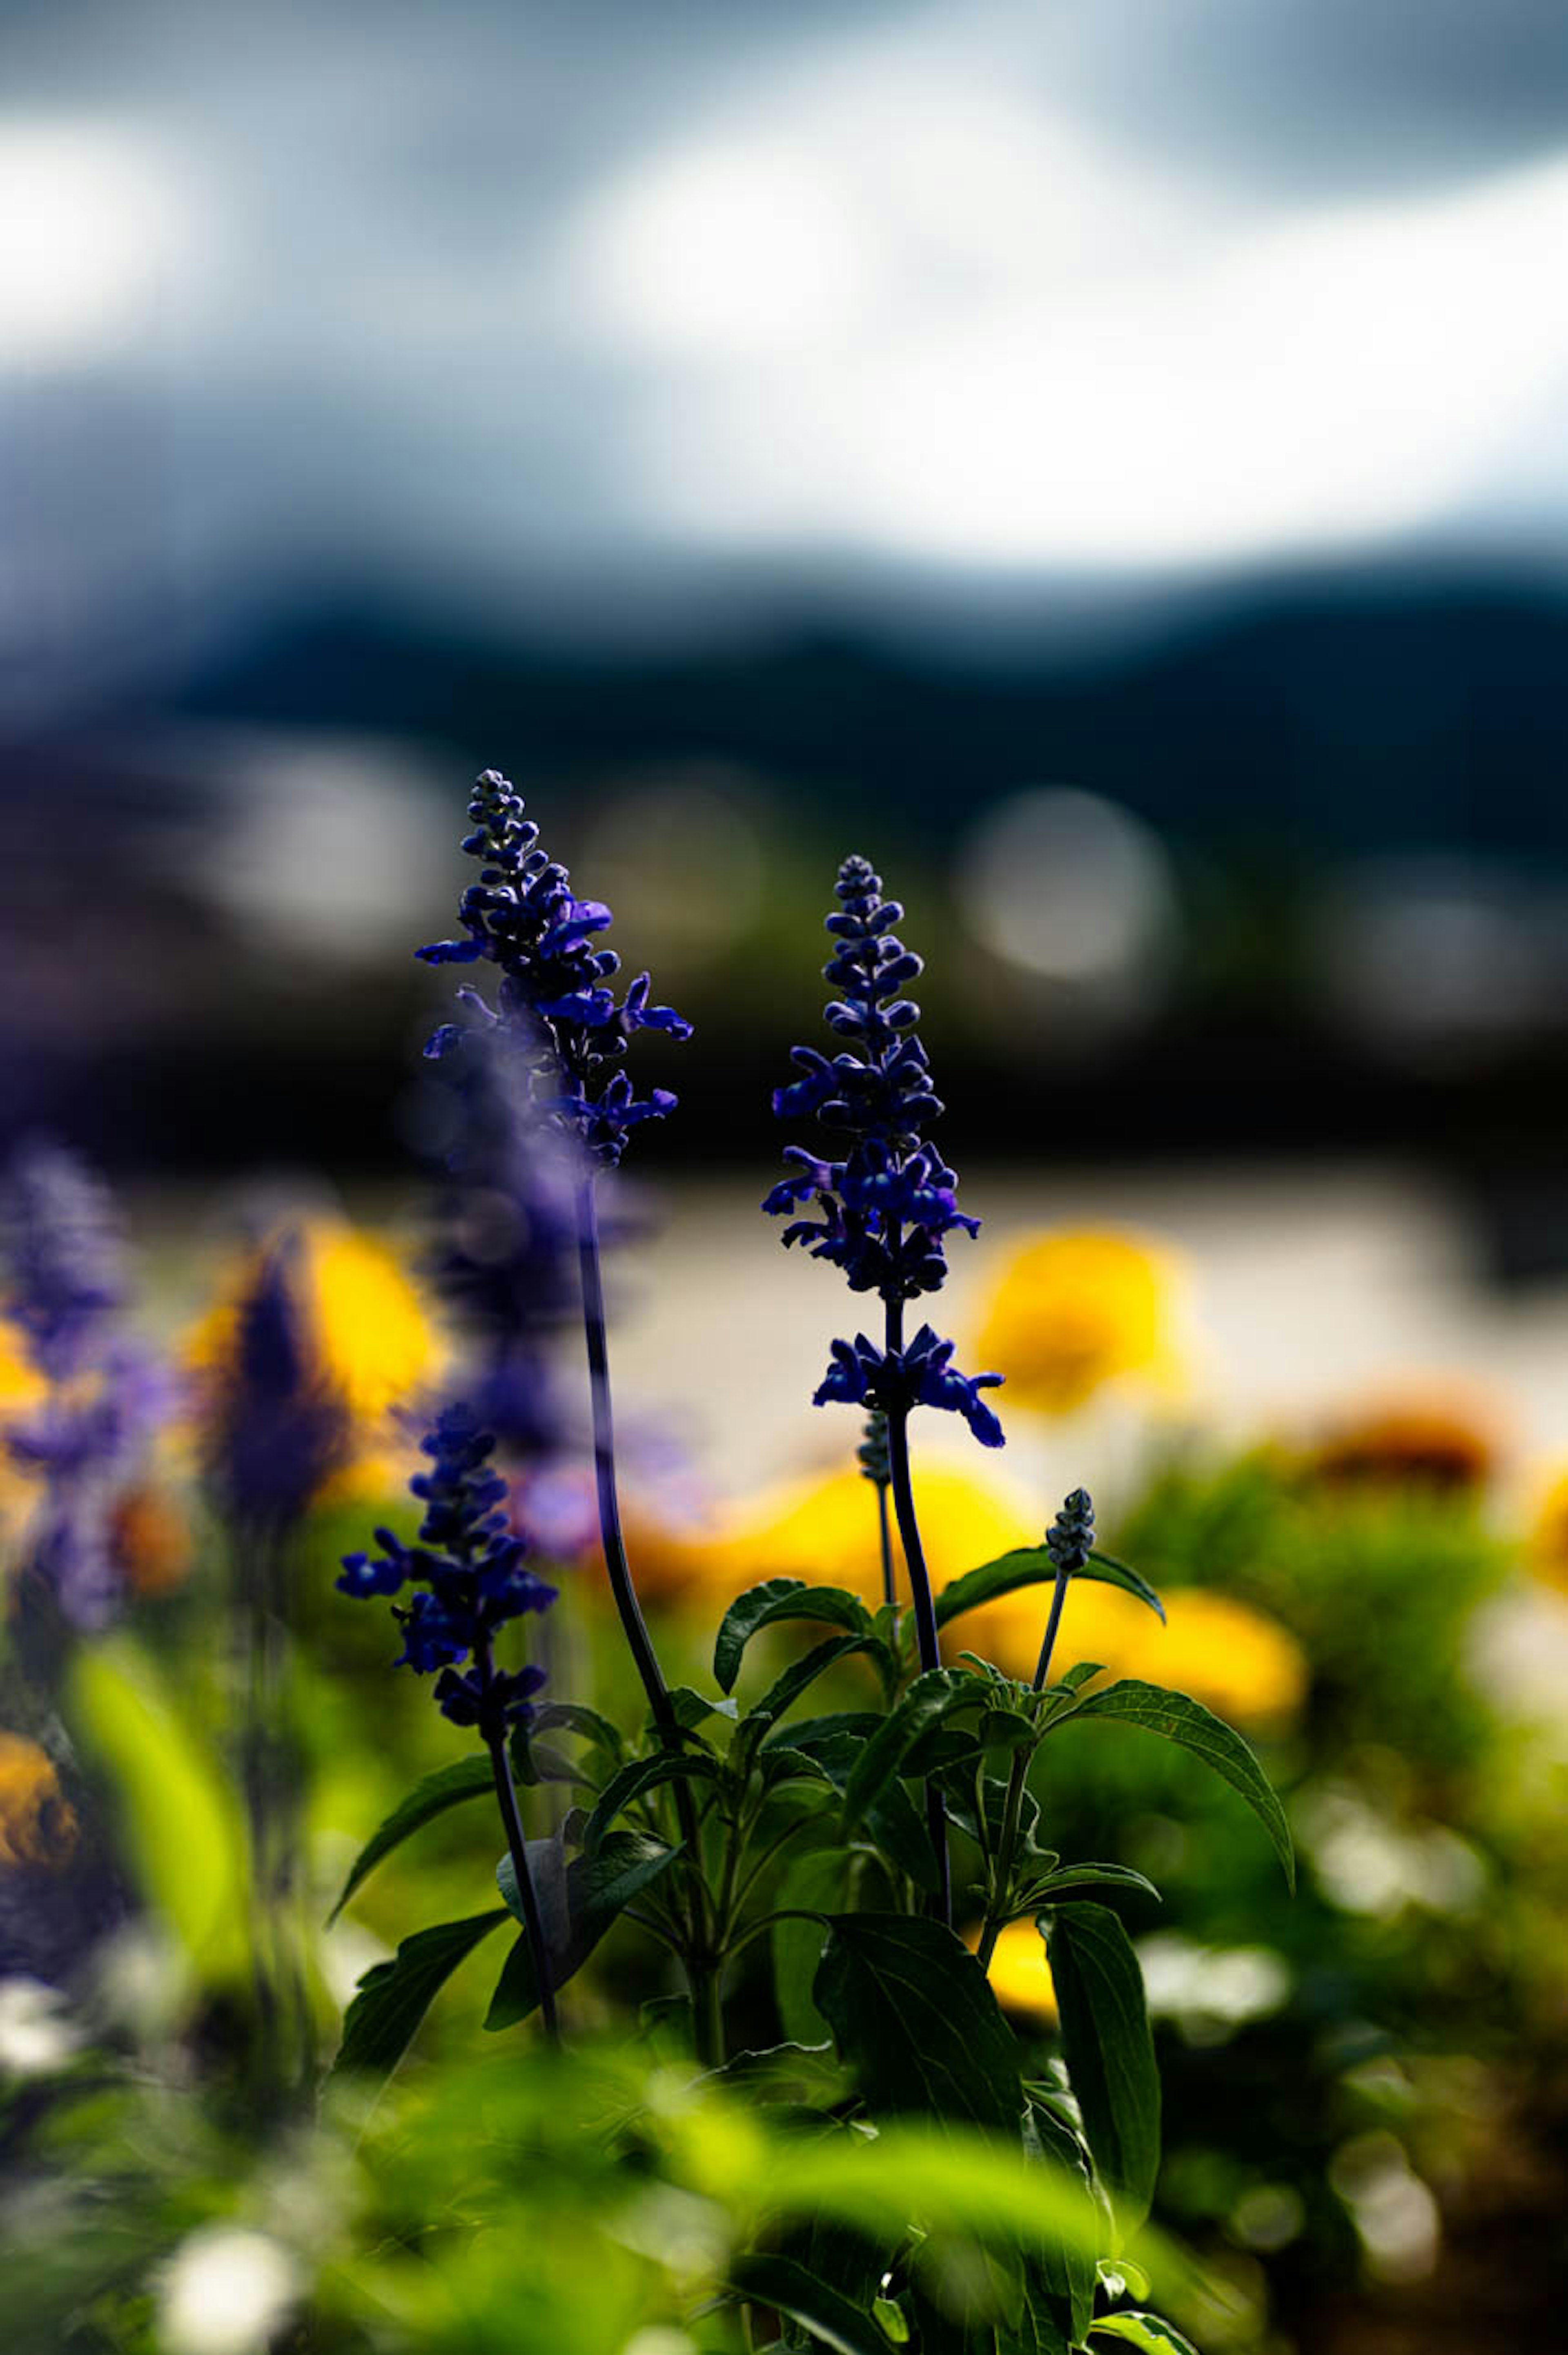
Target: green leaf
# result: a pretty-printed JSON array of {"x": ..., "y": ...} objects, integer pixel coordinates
[
  {"x": 785, "y": 2284},
  {"x": 914, "y": 2017},
  {"x": 1150, "y": 2331},
  {"x": 894, "y": 1823},
  {"x": 175, "y": 1806},
  {"x": 1109, "y": 2051},
  {"x": 815, "y": 1883},
  {"x": 778, "y": 1762},
  {"x": 778, "y": 1599},
  {"x": 1060, "y": 2273},
  {"x": 1062, "y": 1886},
  {"x": 1032, "y": 1566},
  {"x": 929, "y": 1700},
  {"x": 446, "y": 1788},
  {"x": 1195, "y": 1727},
  {"x": 577, "y": 1902},
  {"x": 693, "y": 1709},
  {"x": 393, "y": 1998},
  {"x": 801, "y": 2073},
  {"x": 640, "y": 1777},
  {"x": 784, "y": 1694},
  {"x": 571, "y": 1717}
]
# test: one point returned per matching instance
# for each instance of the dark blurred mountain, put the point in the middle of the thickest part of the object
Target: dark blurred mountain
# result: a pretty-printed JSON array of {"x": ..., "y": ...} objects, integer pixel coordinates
[{"x": 1322, "y": 717}]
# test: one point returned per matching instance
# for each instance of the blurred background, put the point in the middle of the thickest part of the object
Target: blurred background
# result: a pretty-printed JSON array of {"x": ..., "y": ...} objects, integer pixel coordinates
[{"x": 1107, "y": 462}]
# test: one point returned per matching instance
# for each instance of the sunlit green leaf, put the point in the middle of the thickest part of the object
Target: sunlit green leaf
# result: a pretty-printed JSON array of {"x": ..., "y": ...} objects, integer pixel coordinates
[
  {"x": 1179, "y": 1719},
  {"x": 181, "y": 1819},
  {"x": 1032, "y": 1566},
  {"x": 1148, "y": 2331},
  {"x": 448, "y": 1787}
]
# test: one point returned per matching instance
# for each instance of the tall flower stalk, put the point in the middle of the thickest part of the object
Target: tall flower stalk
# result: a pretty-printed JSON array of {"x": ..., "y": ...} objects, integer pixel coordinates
[
  {"x": 469, "y": 1580},
  {"x": 557, "y": 1015},
  {"x": 555, "y": 1009},
  {"x": 884, "y": 1212},
  {"x": 274, "y": 1431},
  {"x": 63, "y": 1285},
  {"x": 1070, "y": 1541}
]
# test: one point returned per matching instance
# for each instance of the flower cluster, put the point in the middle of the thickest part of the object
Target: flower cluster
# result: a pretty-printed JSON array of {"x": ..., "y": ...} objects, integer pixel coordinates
[
  {"x": 277, "y": 1429},
  {"x": 65, "y": 1281},
  {"x": 64, "y": 1291},
  {"x": 506, "y": 1245},
  {"x": 885, "y": 1210},
  {"x": 1070, "y": 1540},
  {"x": 872, "y": 1453},
  {"x": 469, "y": 1579},
  {"x": 554, "y": 1001},
  {"x": 921, "y": 1374}
]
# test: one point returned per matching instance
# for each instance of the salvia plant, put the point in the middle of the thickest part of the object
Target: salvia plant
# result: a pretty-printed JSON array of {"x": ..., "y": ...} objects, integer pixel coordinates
[{"x": 811, "y": 1845}]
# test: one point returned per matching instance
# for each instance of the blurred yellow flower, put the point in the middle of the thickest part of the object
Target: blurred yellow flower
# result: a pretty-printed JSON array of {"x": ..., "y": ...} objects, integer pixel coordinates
[
  {"x": 376, "y": 1337},
  {"x": 38, "y": 1824},
  {"x": 1075, "y": 1309},
  {"x": 826, "y": 1531},
  {"x": 1020, "y": 1974},
  {"x": 22, "y": 1389},
  {"x": 1216, "y": 1650},
  {"x": 1546, "y": 1549}
]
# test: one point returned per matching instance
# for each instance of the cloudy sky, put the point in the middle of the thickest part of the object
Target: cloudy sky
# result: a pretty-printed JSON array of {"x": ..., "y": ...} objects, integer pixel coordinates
[{"x": 635, "y": 295}]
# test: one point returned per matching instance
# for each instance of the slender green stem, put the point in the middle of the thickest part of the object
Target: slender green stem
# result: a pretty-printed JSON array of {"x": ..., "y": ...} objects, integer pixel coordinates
[
  {"x": 639, "y": 1643},
  {"x": 926, "y": 1638},
  {"x": 1012, "y": 1807},
  {"x": 517, "y": 1847},
  {"x": 884, "y": 1531}
]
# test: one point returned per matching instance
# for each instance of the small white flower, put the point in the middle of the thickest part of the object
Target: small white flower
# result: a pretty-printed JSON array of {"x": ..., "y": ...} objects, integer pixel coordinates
[
  {"x": 225, "y": 2292},
  {"x": 36, "y": 2035}
]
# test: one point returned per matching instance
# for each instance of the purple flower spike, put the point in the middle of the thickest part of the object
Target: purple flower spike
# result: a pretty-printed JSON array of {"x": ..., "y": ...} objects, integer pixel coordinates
[
  {"x": 884, "y": 1212},
  {"x": 469, "y": 1579},
  {"x": 555, "y": 998}
]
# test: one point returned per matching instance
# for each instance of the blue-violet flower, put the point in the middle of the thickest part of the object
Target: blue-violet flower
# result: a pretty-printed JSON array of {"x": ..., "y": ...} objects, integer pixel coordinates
[
  {"x": 885, "y": 1210},
  {"x": 468, "y": 1575},
  {"x": 554, "y": 1001}
]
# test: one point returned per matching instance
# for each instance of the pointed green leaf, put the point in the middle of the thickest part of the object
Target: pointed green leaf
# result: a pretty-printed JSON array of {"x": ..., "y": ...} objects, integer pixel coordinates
[
  {"x": 640, "y": 1777},
  {"x": 929, "y": 1700},
  {"x": 785, "y": 2284},
  {"x": 787, "y": 1690},
  {"x": 778, "y": 1599},
  {"x": 577, "y": 1904},
  {"x": 1060, "y": 2272},
  {"x": 815, "y": 1883},
  {"x": 1181, "y": 1720},
  {"x": 1150, "y": 2332},
  {"x": 394, "y": 1996},
  {"x": 448, "y": 1787},
  {"x": 1109, "y": 2050},
  {"x": 1063, "y": 1885},
  {"x": 914, "y": 2015},
  {"x": 894, "y": 1823},
  {"x": 1032, "y": 1566}
]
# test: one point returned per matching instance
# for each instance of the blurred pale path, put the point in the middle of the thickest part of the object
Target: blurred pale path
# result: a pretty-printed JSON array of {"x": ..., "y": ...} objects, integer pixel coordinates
[{"x": 1308, "y": 1290}]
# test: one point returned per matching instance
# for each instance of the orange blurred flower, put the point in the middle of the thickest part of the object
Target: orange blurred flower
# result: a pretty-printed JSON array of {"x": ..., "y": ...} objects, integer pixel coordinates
[
  {"x": 38, "y": 1824},
  {"x": 1076, "y": 1309},
  {"x": 1438, "y": 1436}
]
